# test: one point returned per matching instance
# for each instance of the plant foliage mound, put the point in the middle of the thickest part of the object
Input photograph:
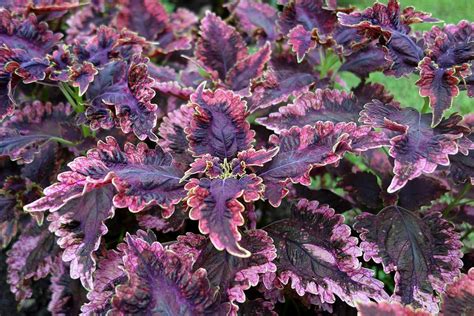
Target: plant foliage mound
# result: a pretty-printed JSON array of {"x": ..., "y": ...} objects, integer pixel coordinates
[{"x": 157, "y": 160}]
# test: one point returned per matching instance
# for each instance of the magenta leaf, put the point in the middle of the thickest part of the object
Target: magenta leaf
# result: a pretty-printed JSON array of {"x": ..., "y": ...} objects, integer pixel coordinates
[
  {"x": 424, "y": 252},
  {"x": 32, "y": 257},
  {"x": 214, "y": 203},
  {"x": 165, "y": 279},
  {"x": 301, "y": 41},
  {"x": 316, "y": 252},
  {"x": 439, "y": 85},
  {"x": 301, "y": 149},
  {"x": 232, "y": 275},
  {"x": 123, "y": 91},
  {"x": 386, "y": 308},
  {"x": 416, "y": 147},
  {"x": 220, "y": 46},
  {"x": 82, "y": 75},
  {"x": 33, "y": 127},
  {"x": 219, "y": 125},
  {"x": 459, "y": 296}
]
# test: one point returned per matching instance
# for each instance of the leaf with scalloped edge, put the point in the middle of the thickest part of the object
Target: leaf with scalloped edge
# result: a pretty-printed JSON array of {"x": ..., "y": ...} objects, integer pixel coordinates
[
  {"x": 365, "y": 61},
  {"x": 315, "y": 251},
  {"x": 35, "y": 125},
  {"x": 423, "y": 251},
  {"x": 301, "y": 41},
  {"x": 121, "y": 94},
  {"x": 219, "y": 125},
  {"x": 149, "y": 19},
  {"x": 106, "y": 45},
  {"x": 81, "y": 75},
  {"x": 458, "y": 299},
  {"x": 439, "y": 85},
  {"x": 416, "y": 147},
  {"x": 322, "y": 105},
  {"x": 32, "y": 257},
  {"x": 25, "y": 45},
  {"x": 160, "y": 220},
  {"x": 108, "y": 275},
  {"x": 215, "y": 204},
  {"x": 220, "y": 46},
  {"x": 232, "y": 275},
  {"x": 67, "y": 295},
  {"x": 165, "y": 279},
  {"x": 301, "y": 149},
  {"x": 283, "y": 78},
  {"x": 388, "y": 308}
]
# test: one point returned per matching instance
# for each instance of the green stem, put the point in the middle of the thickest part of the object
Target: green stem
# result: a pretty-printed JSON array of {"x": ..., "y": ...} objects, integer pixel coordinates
[
  {"x": 62, "y": 141},
  {"x": 455, "y": 202},
  {"x": 69, "y": 98},
  {"x": 426, "y": 105}
]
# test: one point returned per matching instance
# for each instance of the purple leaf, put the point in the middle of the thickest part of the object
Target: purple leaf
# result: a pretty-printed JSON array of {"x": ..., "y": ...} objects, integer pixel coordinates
[
  {"x": 316, "y": 252},
  {"x": 165, "y": 279},
  {"x": 232, "y": 275},
  {"x": 416, "y": 147},
  {"x": 365, "y": 61},
  {"x": 439, "y": 85},
  {"x": 301, "y": 41},
  {"x": 247, "y": 70},
  {"x": 424, "y": 252},
  {"x": 403, "y": 53},
  {"x": 82, "y": 75},
  {"x": 300, "y": 150},
  {"x": 311, "y": 107},
  {"x": 214, "y": 203},
  {"x": 284, "y": 77},
  {"x": 108, "y": 275},
  {"x": 67, "y": 294},
  {"x": 32, "y": 257},
  {"x": 123, "y": 91},
  {"x": 159, "y": 220},
  {"x": 141, "y": 175},
  {"x": 79, "y": 224},
  {"x": 220, "y": 46},
  {"x": 33, "y": 127},
  {"x": 219, "y": 125},
  {"x": 255, "y": 16}
]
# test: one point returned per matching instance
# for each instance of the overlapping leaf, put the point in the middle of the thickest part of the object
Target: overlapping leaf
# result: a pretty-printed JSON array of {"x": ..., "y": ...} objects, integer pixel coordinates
[
  {"x": 416, "y": 147},
  {"x": 33, "y": 127},
  {"x": 317, "y": 254},
  {"x": 424, "y": 252},
  {"x": 459, "y": 296}
]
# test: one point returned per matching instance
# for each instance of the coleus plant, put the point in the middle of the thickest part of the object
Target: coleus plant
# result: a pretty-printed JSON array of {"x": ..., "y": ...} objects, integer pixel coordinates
[{"x": 168, "y": 162}]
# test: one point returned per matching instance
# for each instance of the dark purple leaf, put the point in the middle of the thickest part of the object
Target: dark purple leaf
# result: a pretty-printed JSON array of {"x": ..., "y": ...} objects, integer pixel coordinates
[
  {"x": 220, "y": 46},
  {"x": 424, "y": 252},
  {"x": 317, "y": 254},
  {"x": 301, "y": 41},
  {"x": 219, "y": 125},
  {"x": 158, "y": 219},
  {"x": 82, "y": 75},
  {"x": 121, "y": 94},
  {"x": 365, "y": 61},
  {"x": 160, "y": 281},
  {"x": 33, "y": 127}
]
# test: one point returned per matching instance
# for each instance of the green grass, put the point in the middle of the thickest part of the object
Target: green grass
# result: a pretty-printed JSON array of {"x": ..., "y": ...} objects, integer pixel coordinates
[{"x": 404, "y": 89}]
